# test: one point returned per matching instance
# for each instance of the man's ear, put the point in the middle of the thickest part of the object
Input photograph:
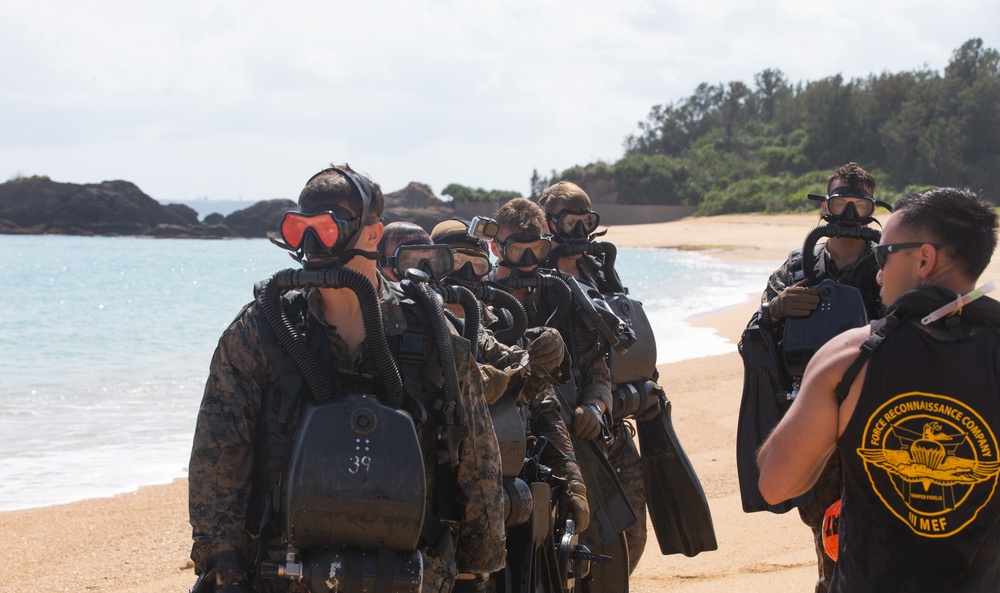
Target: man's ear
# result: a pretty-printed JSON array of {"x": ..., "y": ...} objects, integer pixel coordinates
[
  {"x": 495, "y": 249},
  {"x": 928, "y": 260},
  {"x": 374, "y": 233}
]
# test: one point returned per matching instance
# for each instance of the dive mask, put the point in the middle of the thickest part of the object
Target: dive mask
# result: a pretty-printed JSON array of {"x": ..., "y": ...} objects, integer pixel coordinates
[
  {"x": 471, "y": 265},
  {"x": 326, "y": 228},
  {"x": 522, "y": 251},
  {"x": 434, "y": 260},
  {"x": 575, "y": 226},
  {"x": 326, "y": 238},
  {"x": 847, "y": 206}
]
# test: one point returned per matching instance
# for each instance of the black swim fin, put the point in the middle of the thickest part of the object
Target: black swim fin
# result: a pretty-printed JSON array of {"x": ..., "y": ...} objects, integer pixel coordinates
[
  {"x": 675, "y": 499},
  {"x": 765, "y": 384}
]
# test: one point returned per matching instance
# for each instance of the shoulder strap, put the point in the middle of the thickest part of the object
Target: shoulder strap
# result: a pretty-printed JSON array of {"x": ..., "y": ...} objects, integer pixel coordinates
[{"x": 867, "y": 349}]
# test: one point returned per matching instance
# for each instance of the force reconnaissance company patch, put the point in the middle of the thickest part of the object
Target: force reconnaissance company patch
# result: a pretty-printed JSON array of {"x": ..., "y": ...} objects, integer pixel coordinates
[{"x": 932, "y": 460}]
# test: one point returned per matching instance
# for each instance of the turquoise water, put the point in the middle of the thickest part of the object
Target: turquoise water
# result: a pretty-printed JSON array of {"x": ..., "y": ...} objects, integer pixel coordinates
[{"x": 105, "y": 345}]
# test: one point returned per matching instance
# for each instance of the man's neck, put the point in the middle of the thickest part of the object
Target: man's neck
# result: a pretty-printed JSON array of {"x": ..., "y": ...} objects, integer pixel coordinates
[{"x": 845, "y": 252}]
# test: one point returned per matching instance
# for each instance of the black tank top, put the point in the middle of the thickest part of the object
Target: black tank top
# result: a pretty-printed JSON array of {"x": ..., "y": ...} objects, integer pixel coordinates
[{"x": 920, "y": 508}]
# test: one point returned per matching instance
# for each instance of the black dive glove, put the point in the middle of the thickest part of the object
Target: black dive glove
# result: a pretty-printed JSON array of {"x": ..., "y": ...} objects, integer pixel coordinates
[{"x": 794, "y": 301}]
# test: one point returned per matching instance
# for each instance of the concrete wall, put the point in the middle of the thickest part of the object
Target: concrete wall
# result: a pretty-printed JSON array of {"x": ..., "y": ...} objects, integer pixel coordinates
[{"x": 611, "y": 214}]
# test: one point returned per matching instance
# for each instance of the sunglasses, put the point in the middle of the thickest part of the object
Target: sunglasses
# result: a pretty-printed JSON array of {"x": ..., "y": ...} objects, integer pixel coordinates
[
  {"x": 516, "y": 247},
  {"x": 480, "y": 263},
  {"x": 436, "y": 260},
  {"x": 567, "y": 221},
  {"x": 325, "y": 225},
  {"x": 882, "y": 251}
]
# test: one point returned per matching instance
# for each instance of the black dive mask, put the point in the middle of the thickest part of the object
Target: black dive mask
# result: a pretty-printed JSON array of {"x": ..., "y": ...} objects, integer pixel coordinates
[
  {"x": 574, "y": 227},
  {"x": 434, "y": 260},
  {"x": 521, "y": 251},
  {"x": 469, "y": 268},
  {"x": 847, "y": 207}
]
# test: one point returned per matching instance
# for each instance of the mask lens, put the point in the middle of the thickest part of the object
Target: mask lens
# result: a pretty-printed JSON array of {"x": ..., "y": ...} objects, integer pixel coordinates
[
  {"x": 567, "y": 221},
  {"x": 480, "y": 264},
  {"x": 295, "y": 224},
  {"x": 434, "y": 259},
  {"x": 515, "y": 251},
  {"x": 863, "y": 206}
]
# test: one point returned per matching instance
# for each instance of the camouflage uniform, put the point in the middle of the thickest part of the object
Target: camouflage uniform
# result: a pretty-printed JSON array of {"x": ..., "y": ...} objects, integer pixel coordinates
[
  {"x": 223, "y": 511},
  {"x": 827, "y": 488},
  {"x": 544, "y": 410},
  {"x": 623, "y": 453}
]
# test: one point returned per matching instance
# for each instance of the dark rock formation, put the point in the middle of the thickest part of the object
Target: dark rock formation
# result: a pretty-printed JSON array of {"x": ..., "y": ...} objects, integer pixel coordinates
[
  {"x": 257, "y": 220},
  {"x": 416, "y": 203},
  {"x": 38, "y": 205}
]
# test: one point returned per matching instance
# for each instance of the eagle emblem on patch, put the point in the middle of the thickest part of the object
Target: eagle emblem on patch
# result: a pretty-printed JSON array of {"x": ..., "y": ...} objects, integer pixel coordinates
[{"x": 932, "y": 461}]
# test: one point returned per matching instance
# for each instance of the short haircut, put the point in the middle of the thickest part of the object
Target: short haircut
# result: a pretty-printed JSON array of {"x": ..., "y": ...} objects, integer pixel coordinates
[
  {"x": 397, "y": 233},
  {"x": 564, "y": 195},
  {"x": 959, "y": 220},
  {"x": 522, "y": 216},
  {"x": 331, "y": 187},
  {"x": 854, "y": 176}
]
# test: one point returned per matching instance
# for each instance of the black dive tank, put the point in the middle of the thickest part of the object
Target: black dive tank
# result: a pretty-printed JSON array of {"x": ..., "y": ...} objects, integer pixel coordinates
[
  {"x": 355, "y": 477},
  {"x": 638, "y": 363},
  {"x": 840, "y": 308},
  {"x": 509, "y": 426}
]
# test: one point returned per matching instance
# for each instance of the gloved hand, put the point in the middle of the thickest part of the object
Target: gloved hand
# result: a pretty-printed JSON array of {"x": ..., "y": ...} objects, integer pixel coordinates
[
  {"x": 794, "y": 301},
  {"x": 547, "y": 348},
  {"x": 575, "y": 499},
  {"x": 586, "y": 423},
  {"x": 495, "y": 382}
]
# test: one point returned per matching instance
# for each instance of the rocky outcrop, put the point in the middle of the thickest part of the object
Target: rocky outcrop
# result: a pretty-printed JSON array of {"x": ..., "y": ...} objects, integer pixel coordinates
[
  {"x": 416, "y": 203},
  {"x": 38, "y": 205}
]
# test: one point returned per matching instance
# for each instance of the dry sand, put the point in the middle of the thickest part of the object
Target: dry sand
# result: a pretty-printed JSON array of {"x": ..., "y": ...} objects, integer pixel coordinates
[{"x": 139, "y": 542}]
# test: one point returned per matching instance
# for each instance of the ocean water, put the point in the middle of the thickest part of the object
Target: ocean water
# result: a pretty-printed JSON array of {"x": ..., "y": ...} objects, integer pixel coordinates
[{"x": 105, "y": 344}]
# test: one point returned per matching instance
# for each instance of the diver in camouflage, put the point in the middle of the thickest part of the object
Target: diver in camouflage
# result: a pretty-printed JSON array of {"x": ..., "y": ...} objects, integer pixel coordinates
[
  {"x": 849, "y": 202},
  {"x": 247, "y": 421},
  {"x": 570, "y": 218}
]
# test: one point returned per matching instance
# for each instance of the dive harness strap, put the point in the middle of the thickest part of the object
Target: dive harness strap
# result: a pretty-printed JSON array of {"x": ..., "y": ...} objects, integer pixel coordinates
[{"x": 914, "y": 304}]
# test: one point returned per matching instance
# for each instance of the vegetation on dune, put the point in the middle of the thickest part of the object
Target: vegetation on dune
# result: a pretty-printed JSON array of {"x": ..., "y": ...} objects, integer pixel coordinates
[{"x": 739, "y": 148}]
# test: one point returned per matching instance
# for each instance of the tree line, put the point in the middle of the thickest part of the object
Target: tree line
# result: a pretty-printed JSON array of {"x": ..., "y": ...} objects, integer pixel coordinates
[{"x": 740, "y": 148}]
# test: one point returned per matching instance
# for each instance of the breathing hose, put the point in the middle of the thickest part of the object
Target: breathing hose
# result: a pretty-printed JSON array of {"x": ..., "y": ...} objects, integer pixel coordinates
[
  {"x": 564, "y": 296},
  {"x": 595, "y": 248},
  {"x": 371, "y": 315},
  {"x": 831, "y": 230},
  {"x": 428, "y": 298}
]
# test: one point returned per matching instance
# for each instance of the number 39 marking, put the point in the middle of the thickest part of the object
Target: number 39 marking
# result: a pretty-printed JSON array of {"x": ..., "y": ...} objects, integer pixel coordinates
[{"x": 359, "y": 463}]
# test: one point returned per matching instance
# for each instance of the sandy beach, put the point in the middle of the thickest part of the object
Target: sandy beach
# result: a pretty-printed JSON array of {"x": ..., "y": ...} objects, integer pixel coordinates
[{"x": 139, "y": 542}]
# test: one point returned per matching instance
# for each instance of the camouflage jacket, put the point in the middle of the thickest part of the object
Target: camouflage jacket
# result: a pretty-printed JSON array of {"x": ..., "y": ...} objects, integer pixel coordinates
[
  {"x": 589, "y": 358},
  {"x": 791, "y": 272},
  {"x": 544, "y": 410},
  {"x": 222, "y": 458}
]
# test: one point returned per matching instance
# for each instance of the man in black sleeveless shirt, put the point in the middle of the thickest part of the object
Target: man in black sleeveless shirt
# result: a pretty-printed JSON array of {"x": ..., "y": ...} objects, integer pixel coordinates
[{"x": 912, "y": 408}]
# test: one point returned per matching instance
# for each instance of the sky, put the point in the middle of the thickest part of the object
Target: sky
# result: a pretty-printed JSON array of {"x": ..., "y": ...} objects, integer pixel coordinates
[{"x": 246, "y": 100}]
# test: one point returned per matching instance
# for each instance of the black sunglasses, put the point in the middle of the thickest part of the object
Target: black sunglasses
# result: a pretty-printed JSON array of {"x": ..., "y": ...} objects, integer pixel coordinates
[{"x": 882, "y": 251}]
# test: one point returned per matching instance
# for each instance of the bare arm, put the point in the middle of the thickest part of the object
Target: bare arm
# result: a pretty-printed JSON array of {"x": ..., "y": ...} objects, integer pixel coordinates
[{"x": 795, "y": 453}]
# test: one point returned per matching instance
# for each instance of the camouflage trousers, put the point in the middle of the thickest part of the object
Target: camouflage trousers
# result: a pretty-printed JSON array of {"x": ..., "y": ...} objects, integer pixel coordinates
[
  {"x": 827, "y": 492},
  {"x": 624, "y": 457}
]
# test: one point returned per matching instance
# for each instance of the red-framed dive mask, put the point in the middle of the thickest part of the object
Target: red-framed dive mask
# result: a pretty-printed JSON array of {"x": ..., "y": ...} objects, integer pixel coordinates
[{"x": 325, "y": 227}]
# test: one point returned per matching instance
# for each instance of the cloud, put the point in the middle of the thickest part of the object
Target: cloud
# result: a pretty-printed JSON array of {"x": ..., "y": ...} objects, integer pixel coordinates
[{"x": 224, "y": 99}]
